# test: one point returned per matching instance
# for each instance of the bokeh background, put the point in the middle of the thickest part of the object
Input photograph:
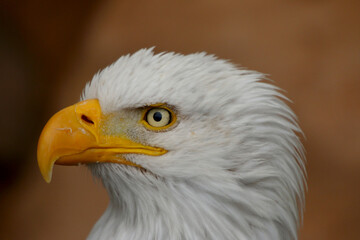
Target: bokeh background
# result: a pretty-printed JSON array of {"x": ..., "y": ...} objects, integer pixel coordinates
[{"x": 50, "y": 49}]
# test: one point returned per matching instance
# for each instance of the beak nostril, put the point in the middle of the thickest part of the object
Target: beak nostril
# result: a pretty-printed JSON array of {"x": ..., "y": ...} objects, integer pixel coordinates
[{"x": 86, "y": 119}]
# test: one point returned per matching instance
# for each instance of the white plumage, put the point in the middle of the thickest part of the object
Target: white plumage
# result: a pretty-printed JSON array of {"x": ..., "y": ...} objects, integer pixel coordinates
[{"x": 234, "y": 167}]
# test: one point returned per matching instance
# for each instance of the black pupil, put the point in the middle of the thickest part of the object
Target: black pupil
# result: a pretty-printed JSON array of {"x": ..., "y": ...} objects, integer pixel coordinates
[{"x": 157, "y": 116}]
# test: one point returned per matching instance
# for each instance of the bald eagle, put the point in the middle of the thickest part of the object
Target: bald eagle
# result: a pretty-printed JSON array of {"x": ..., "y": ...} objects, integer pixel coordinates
[{"x": 187, "y": 147}]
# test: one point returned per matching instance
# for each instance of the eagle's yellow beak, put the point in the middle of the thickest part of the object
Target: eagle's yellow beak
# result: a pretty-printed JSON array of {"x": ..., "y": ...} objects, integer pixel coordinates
[{"x": 73, "y": 136}]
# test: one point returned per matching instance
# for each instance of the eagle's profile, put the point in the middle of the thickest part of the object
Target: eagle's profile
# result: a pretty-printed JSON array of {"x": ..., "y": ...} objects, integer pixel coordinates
[{"x": 188, "y": 147}]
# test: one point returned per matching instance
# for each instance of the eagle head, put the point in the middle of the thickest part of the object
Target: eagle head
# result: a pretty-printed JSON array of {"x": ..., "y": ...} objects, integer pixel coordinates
[{"x": 187, "y": 146}]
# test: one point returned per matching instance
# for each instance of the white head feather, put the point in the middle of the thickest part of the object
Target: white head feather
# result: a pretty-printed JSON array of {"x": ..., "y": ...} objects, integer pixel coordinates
[{"x": 234, "y": 167}]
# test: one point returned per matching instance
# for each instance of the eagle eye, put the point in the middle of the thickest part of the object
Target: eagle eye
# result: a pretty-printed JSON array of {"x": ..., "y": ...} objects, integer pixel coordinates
[{"x": 158, "y": 118}]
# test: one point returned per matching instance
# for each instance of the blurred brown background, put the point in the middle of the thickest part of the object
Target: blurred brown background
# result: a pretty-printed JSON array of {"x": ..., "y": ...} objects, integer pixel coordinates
[{"x": 50, "y": 49}]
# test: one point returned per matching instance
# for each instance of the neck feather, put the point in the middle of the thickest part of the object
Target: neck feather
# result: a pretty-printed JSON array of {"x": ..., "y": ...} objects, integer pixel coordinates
[{"x": 143, "y": 206}]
